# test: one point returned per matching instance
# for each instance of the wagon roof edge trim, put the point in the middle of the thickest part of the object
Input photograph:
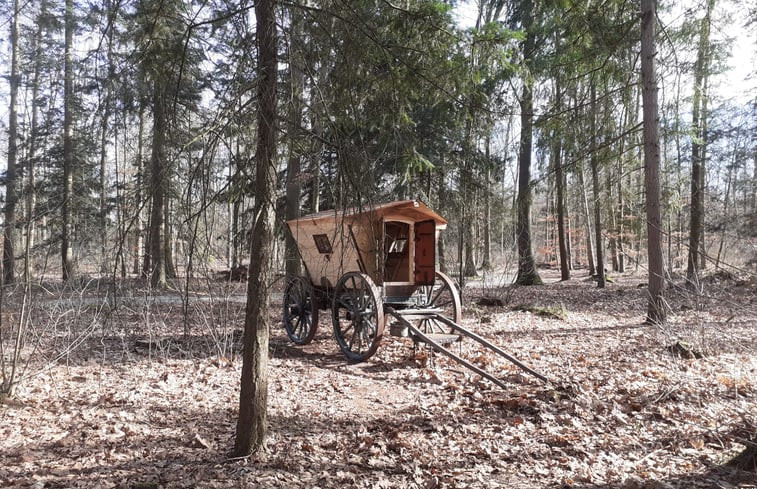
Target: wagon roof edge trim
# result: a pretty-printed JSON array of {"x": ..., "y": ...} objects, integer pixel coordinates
[{"x": 390, "y": 209}]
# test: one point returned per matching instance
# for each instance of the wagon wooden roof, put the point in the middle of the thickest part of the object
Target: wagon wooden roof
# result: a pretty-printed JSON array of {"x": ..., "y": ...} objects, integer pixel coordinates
[{"x": 413, "y": 210}]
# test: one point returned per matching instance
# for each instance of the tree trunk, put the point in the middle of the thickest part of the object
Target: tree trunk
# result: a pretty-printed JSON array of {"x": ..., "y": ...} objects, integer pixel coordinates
[
  {"x": 621, "y": 214},
  {"x": 168, "y": 242},
  {"x": 596, "y": 190},
  {"x": 562, "y": 241},
  {"x": 138, "y": 204},
  {"x": 527, "y": 273},
  {"x": 703, "y": 175},
  {"x": 468, "y": 207},
  {"x": 235, "y": 235},
  {"x": 31, "y": 158},
  {"x": 294, "y": 163},
  {"x": 726, "y": 204},
  {"x": 486, "y": 262},
  {"x": 253, "y": 397},
  {"x": 11, "y": 184},
  {"x": 587, "y": 221},
  {"x": 158, "y": 176},
  {"x": 656, "y": 305},
  {"x": 469, "y": 246},
  {"x": 102, "y": 213},
  {"x": 121, "y": 227},
  {"x": 67, "y": 257},
  {"x": 698, "y": 117},
  {"x": 106, "y": 103}
]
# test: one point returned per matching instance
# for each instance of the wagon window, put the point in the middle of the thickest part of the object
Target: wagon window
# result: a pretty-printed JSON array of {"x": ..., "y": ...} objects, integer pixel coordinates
[
  {"x": 398, "y": 245},
  {"x": 322, "y": 243},
  {"x": 397, "y": 248}
]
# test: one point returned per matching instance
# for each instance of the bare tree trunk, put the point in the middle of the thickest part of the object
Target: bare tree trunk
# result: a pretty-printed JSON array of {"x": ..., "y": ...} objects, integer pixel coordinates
[
  {"x": 138, "y": 204},
  {"x": 121, "y": 226},
  {"x": 568, "y": 235},
  {"x": 725, "y": 212},
  {"x": 656, "y": 305},
  {"x": 703, "y": 174},
  {"x": 251, "y": 429},
  {"x": 587, "y": 221},
  {"x": 168, "y": 242},
  {"x": 614, "y": 234},
  {"x": 698, "y": 118},
  {"x": 468, "y": 207},
  {"x": 621, "y": 204},
  {"x": 106, "y": 104},
  {"x": 102, "y": 213},
  {"x": 469, "y": 245},
  {"x": 527, "y": 273},
  {"x": 11, "y": 184},
  {"x": 235, "y": 235},
  {"x": 157, "y": 189},
  {"x": 294, "y": 163},
  {"x": 31, "y": 160},
  {"x": 486, "y": 262},
  {"x": 562, "y": 239},
  {"x": 67, "y": 257},
  {"x": 597, "y": 191}
]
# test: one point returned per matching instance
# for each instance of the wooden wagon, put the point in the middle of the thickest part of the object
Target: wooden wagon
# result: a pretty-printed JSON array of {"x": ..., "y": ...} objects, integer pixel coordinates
[
  {"x": 369, "y": 265},
  {"x": 377, "y": 265}
]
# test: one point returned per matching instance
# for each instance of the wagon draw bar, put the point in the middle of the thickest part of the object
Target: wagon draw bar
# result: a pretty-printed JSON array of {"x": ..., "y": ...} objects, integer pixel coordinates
[{"x": 470, "y": 334}]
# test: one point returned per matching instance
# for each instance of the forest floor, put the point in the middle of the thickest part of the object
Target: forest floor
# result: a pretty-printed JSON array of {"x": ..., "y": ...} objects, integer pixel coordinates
[{"x": 145, "y": 395}]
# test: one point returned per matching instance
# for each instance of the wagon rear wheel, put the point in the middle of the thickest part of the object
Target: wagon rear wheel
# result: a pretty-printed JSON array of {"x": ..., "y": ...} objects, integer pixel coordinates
[
  {"x": 358, "y": 316},
  {"x": 300, "y": 311},
  {"x": 443, "y": 295}
]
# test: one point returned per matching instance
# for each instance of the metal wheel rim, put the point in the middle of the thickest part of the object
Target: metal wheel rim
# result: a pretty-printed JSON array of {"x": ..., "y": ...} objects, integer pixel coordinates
[
  {"x": 358, "y": 316},
  {"x": 443, "y": 294}
]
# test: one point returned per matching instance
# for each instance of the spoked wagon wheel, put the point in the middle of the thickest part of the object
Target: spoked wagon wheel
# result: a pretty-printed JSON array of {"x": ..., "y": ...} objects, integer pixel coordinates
[
  {"x": 443, "y": 295},
  {"x": 358, "y": 315},
  {"x": 300, "y": 311}
]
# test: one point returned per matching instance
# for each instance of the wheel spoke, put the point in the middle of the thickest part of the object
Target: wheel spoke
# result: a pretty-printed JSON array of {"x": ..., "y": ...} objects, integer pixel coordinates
[
  {"x": 300, "y": 311},
  {"x": 358, "y": 323},
  {"x": 347, "y": 330},
  {"x": 437, "y": 295},
  {"x": 368, "y": 327},
  {"x": 344, "y": 302}
]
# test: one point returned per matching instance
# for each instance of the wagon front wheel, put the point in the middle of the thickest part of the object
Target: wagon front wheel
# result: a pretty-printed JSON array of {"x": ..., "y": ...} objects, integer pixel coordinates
[
  {"x": 444, "y": 297},
  {"x": 358, "y": 316},
  {"x": 300, "y": 311}
]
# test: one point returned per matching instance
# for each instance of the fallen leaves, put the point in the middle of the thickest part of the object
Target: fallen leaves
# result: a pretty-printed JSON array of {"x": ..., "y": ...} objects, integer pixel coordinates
[{"x": 625, "y": 413}]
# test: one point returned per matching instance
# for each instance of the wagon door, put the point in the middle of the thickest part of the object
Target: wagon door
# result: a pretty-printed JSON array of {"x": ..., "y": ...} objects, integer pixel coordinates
[{"x": 425, "y": 252}]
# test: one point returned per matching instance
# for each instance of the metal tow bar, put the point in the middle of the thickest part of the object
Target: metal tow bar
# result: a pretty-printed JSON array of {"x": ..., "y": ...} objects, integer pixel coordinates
[{"x": 415, "y": 331}]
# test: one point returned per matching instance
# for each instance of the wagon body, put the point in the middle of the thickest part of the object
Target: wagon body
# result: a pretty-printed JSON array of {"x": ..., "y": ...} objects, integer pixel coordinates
[
  {"x": 365, "y": 264},
  {"x": 393, "y": 243}
]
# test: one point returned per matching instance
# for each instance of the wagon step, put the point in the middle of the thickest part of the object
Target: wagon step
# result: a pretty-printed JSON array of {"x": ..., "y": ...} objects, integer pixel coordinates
[
  {"x": 433, "y": 338},
  {"x": 414, "y": 314},
  {"x": 418, "y": 335},
  {"x": 418, "y": 311}
]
